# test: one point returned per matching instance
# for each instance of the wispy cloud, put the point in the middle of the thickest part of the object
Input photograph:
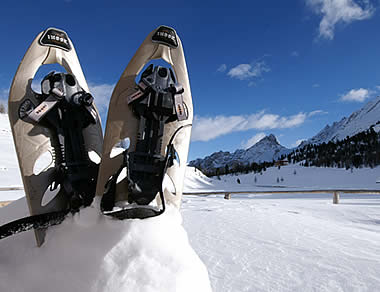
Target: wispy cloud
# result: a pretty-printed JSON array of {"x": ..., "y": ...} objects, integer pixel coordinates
[
  {"x": 208, "y": 128},
  {"x": 295, "y": 54},
  {"x": 317, "y": 112},
  {"x": 102, "y": 94},
  {"x": 298, "y": 142},
  {"x": 356, "y": 95},
  {"x": 222, "y": 68},
  {"x": 247, "y": 71},
  {"x": 316, "y": 85},
  {"x": 336, "y": 12},
  {"x": 253, "y": 140}
]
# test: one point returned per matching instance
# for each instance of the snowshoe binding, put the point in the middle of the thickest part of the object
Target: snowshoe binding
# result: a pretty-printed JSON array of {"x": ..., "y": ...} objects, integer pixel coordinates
[
  {"x": 152, "y": 120},
  {"x": 62, "y": 121}
]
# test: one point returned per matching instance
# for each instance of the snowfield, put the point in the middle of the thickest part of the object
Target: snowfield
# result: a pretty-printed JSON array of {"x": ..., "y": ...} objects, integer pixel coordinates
[
  {"x": 252, "y": 242},
  {"x": 287, "y": 242}
]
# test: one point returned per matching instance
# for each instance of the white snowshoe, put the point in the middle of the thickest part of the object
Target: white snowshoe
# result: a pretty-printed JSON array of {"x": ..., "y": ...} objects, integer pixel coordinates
[
  {"x": 154, "y": 117},
  {"x": 62, "y": 121}
]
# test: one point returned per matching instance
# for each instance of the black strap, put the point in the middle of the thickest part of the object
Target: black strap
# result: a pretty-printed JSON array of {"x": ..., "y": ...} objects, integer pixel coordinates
[
  {"x": 108, "y": 200},
  {"x": 40, "y": 221},
  {"x": 74, "y": 171}
]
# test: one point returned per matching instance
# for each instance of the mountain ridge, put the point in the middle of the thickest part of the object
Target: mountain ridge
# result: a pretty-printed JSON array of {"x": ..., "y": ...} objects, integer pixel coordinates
[
  {"x": 360, "y": 120},
  {"x": 268, "y": 148}
]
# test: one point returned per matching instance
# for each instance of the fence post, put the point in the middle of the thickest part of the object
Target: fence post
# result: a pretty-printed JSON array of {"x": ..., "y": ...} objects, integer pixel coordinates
[
  {"x": 227, "y": 196},
  {"x": 336, "y": 198}
]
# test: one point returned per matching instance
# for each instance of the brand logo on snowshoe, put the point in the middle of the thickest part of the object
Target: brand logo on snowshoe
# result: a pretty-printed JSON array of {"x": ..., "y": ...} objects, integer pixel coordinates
[
  {"x": 53, "y": 37},
  {"x": 165, "y": 35}
]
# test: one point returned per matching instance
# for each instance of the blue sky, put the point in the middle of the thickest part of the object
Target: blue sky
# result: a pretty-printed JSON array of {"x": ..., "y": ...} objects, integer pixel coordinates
[{"x": 255, "y": 67}]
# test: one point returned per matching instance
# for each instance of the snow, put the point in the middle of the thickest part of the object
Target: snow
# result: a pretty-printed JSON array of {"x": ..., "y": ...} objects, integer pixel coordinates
[
  {"x": 295, "y": 177},
  {"x": 90, "y": 252},
  {"x": 9, "y": 171},
  {"x": 287, "y": 242},
  {"x": 291, "y": 242}
]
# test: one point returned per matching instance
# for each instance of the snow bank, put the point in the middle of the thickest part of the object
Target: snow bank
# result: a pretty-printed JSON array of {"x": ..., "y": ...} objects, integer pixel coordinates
[{"x": 89, "y": 252}]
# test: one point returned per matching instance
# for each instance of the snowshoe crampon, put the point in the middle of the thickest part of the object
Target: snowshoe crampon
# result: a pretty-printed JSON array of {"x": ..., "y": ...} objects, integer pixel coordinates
[
  {"x": 63, "y": 122},
  {"x": 148, "y": 132}
]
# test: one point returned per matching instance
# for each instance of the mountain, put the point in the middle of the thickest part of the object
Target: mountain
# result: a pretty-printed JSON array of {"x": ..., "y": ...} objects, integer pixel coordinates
[
  {"x": 358, "y": 121},
  {"x": 266, "y": 149}
]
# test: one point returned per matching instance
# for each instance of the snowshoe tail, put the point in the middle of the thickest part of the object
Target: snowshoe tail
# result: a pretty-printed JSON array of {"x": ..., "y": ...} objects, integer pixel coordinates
[
  {"x": 150, "y": 121},
  {"x": 42, "y": 123}
]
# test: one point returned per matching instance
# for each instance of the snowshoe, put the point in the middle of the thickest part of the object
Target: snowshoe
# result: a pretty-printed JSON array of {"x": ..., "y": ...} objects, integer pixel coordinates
[
  {"x": 62, "y": 121},
  {"x": 150, "y": 122}
]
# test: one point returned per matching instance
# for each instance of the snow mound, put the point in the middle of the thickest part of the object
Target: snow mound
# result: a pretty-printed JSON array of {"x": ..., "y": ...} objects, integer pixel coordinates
[{"x": 90, "y": 252}]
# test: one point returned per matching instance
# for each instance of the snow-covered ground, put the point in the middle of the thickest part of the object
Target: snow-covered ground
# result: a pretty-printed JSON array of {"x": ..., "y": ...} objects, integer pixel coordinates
[
  {"x": 289, "y": 177},
  {"x": 249, "y": 243},
  {"x": 287, "y": 242},
  {"x": 9, "y": 171}
]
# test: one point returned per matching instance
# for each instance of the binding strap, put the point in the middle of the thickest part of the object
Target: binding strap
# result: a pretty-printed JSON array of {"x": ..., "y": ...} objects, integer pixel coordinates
[
  {"x": 138, "y": 212},
  {"x": 40, "y": 221}
]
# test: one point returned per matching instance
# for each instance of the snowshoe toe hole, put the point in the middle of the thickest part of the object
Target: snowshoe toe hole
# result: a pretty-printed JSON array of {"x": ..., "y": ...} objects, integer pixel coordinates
[
  {"x": 120, "y": 146},
  {"x": 43, "y": 162}
]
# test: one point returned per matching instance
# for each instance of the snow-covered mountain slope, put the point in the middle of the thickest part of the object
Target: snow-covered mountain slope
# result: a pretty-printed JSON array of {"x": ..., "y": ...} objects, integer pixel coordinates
[
  {"x": 289, "y": 177},
  {"x": 358, "y": 121},
  {"x": 266, "y": 149}
]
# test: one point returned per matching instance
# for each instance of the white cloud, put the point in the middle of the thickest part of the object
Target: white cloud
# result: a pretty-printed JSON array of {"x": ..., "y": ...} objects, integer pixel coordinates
[
  {"x": 102, "y": 94},
  {"x": 222, "y": 68},
  {"x": 317, "y": 112},
  {"x": 294, "y": 54},
  {"x": 247, "y": 71},
  {"x": 208, "y": 128},
  {"x": 298, "y": 142},
  {"x": 358, "y": 95},
  {"x": 339, "y": 12},
  {"x": 253, "y": 140},
  {"x": 316, "y": 85}
]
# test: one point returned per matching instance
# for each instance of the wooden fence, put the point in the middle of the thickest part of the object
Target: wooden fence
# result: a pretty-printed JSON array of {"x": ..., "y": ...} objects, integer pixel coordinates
[
  {"x": 335, "y": 192},
  {"x": 227, "y": 194}
]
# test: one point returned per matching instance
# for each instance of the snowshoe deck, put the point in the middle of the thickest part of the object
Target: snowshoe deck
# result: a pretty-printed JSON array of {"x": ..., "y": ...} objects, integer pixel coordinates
[
  {"x": 122, "y": 123},
  {"x": 33, "y": 139}
]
